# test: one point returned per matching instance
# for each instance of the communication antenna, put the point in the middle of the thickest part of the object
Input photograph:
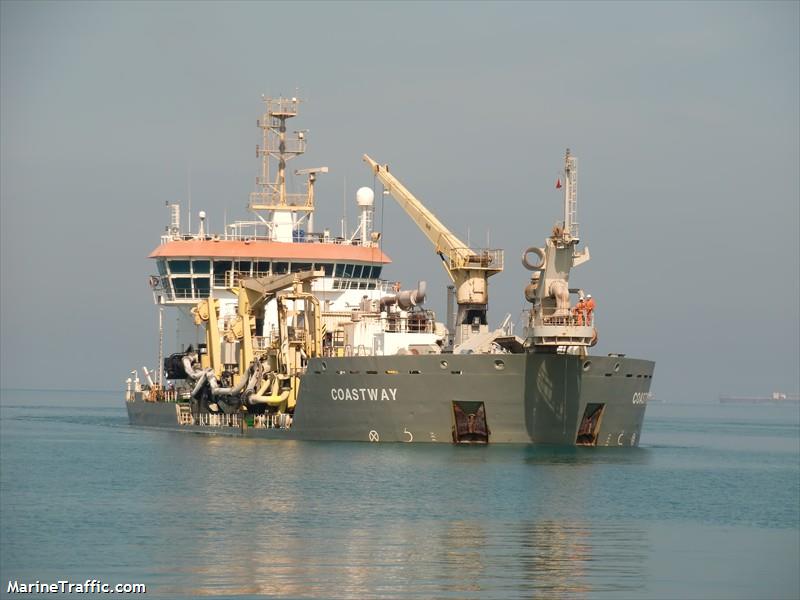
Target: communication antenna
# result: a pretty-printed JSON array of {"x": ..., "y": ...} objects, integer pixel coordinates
[
  {"x": 189, "y": 194},
  {"x": 175, "y": 220},
  {"x": 570, "y": 196},
  {"x": 344, "y": 207}
]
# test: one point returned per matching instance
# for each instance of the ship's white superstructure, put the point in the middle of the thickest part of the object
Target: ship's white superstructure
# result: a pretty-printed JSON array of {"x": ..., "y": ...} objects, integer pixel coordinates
[{"x": 361, "y": 313}]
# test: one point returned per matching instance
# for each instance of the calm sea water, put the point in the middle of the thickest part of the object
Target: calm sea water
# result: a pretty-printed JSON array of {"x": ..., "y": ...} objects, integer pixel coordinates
[{"x": 708, "y": 507}]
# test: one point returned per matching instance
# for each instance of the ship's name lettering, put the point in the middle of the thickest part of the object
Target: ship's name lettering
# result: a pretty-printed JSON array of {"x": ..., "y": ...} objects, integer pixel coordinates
[
  {"x": 373, "y": 394},
  {"x": 642, "y": 397}
]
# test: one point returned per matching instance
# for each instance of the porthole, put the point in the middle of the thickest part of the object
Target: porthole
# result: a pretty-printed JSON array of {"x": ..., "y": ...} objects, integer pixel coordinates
[
  {"x": 324, "y": 366},
  {"x": 499, "y": 365},
  {"x": 587, "y": 365},
  {"x": 443, "y": 364},
  {"x": 616, "y": 368}
]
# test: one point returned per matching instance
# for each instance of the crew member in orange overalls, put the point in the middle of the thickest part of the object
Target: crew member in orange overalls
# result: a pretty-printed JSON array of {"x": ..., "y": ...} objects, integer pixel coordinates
[
  {"x": 589, "y": 307},
  {"x": 579, "y": 312}
]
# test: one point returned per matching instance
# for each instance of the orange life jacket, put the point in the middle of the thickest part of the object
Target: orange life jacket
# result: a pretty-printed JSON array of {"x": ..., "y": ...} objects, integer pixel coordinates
[
  {"x": 579, "y": 311},
  {"x": 589, "y": 306}
]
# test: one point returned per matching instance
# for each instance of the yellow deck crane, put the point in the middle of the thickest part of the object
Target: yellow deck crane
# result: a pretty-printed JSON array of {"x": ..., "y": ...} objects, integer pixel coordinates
[{"x": 469, "y": 268}]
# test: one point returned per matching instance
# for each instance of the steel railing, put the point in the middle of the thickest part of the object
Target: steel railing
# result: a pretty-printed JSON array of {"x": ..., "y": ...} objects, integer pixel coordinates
[{"x": 476, "y": 258}]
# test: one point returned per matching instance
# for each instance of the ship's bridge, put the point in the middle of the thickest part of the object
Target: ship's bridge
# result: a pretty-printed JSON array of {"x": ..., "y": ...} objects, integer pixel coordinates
[{"x": 191, "y": 269}]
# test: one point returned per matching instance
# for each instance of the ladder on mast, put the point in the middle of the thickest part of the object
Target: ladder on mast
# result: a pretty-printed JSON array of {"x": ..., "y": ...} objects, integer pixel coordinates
[{"x": 571, "y": 196}]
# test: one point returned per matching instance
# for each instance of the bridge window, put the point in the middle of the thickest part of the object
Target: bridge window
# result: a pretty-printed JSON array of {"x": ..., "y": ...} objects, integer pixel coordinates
[
  {"x": 243, "y": 266},
  {"x": 357, "y": 271},
  {"x": 179, "y": 266},
  {"x": 280, "y": 268},
  {"x": 221, "y": 267},
  {"x": 162, "y": 266},
  {"x": 348, "y": 271},
  {"x": 339, "y": 270},
  {"x": 327, "y": 267},
  {"x": 261, "y": 268},
  {"x": 376, "y": 272},
  {"x": 297, "y": 267},
  {"x": 201, "y": 266},
  {"x": 183, "y": 287},
  {"x": 202, "y": 286}
]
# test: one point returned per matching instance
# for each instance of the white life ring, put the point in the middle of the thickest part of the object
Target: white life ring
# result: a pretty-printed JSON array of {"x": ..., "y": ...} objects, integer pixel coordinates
[{"x": 538, "y": 252}]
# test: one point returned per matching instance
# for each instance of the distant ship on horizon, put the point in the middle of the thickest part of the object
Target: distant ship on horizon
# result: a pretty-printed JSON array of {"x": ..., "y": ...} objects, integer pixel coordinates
[{"x": 774, "y": 398}]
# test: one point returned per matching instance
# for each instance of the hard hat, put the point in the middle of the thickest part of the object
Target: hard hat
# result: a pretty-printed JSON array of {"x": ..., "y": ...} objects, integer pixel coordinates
[{"x": 588, "y": 295}]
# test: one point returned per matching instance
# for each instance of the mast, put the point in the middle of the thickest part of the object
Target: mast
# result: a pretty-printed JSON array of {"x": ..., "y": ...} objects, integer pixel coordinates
[
  {"x": 161, "y": 345},
  {"x": 570, "y": 196},
  {"x": 551, "y": 322},
  {"x": 285, "y": 210}
]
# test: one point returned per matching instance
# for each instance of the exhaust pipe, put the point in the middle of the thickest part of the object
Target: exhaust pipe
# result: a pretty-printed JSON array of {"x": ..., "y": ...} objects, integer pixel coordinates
[{"x": 407, "y": 298}]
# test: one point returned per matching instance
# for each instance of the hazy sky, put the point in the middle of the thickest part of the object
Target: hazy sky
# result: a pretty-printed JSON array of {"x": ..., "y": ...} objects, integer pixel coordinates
[{"x": 684, "y": 117}]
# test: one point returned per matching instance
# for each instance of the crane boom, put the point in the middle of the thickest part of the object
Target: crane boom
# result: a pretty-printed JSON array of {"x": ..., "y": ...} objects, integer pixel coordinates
[
  {"x": 445, "y": 242},
  {"x": 468, "y": 268}
]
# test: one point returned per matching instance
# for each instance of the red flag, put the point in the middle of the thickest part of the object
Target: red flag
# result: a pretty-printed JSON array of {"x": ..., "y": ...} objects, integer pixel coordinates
[{"x": 558, "y": 183}]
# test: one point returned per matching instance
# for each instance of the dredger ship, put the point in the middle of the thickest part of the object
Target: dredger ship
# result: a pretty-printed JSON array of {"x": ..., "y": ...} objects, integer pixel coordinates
[{"x": 286, "y": 332}]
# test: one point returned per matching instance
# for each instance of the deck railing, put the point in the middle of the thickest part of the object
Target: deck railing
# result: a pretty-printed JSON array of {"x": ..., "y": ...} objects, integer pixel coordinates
[
  {"x": 217, "y": 420},
  {"x": 253, "y": 235},
  {"x": 572, "y": 319}
]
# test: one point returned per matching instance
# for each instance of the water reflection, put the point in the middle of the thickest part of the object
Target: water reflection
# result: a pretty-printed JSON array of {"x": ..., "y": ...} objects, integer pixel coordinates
[
  {"x": 579, "y": 456},
  {"x": 292, "y": 519},
  {"x": 458, "y": 558}
]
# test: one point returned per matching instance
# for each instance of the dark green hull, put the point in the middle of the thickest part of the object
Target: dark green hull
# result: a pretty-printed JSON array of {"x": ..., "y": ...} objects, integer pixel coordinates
[{"x": 523, "y": 398}]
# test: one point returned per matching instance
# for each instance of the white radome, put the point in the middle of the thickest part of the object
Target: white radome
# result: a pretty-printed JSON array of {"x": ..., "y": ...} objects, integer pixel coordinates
[{"x": 365, "y": 196}]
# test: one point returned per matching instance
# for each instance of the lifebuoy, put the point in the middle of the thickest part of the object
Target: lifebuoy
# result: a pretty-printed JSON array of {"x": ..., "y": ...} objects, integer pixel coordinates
[{"x": 538, "y": 252}]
